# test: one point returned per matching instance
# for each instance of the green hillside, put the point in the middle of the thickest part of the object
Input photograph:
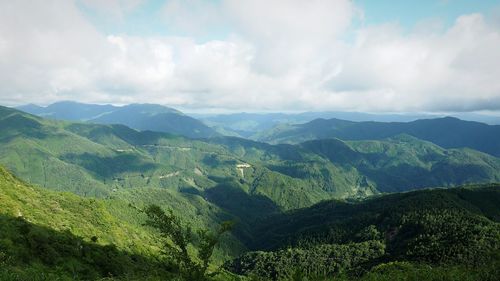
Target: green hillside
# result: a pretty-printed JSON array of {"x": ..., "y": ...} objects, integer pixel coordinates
[
  {"x": 66, "y": 236},
  {"x": 454, "y": 231},
  {"x": 446, "y": 132},
  {"x": 404, "y": 163},
  {"x": 106, "y": 160},
  {"x": 431, "y": 235}
]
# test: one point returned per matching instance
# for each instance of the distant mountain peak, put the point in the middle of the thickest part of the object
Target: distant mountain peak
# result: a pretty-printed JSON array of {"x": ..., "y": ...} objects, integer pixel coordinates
[{"x": 139, "y": 116}]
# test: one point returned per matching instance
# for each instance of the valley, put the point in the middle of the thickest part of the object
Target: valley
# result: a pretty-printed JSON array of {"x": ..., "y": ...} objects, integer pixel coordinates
[{"x": 278, "y": 195}]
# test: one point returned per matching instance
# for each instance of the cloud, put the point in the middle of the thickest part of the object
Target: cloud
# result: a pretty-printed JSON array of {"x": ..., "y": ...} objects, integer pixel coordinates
[
  {"x": 289, "y": 34},
  {"x": 275, "y": 55},
  {"x": 116, "y": 9},
  {"x": 455, "y": 70},
  {"x": 47, "y": 48},
  {"x": 193, "y": 17}
]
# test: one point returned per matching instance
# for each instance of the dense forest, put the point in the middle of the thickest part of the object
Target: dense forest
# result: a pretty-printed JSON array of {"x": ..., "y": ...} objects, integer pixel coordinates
[
  {"x": 424, "y": 235},
  {"x": 83, "y": 201},
  {"x": 448, "y": 228}
]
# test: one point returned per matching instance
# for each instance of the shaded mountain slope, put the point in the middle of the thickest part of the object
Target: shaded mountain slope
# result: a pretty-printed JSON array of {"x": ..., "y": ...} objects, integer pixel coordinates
[
  {"x": 446, "y": 132},
  {"x": 457, "y": 229}
]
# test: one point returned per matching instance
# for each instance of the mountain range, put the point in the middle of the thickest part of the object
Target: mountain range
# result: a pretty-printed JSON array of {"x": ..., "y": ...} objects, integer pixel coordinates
[
  {"x": 138, "y": 116},
  {"x": 93, "y": 159},
  {"x": 446, "y": 132},
  {"x": 250, "y": 124},
  {"x": 330, "y": 195}
]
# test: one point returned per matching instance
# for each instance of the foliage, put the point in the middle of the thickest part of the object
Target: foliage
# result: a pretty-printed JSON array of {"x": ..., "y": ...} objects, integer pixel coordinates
[
  {"x": 47, "y": 235},
  {"x": 457, "y": 230},
  {"x": 25, "y": 245},
  {"x": 179, "y": 236},
  {"x": 318, "y": 260}
]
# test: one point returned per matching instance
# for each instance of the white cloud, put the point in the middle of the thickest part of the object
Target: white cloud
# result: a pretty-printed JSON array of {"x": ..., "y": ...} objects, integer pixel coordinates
[
  {"x": 454, "y": 70},
  {"x": 47, "y": 47},
  {"x": 281, "y": 55},
  {"x": 290, "y": 35}
]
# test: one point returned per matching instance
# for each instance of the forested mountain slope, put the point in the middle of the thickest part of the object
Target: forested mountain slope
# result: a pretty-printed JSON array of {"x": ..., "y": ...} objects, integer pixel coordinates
[
  {"x": 446, "y": 132},
  {"x": 456, "y": 229},
  {"x": 48, "y": 235},
  {"x": 138, "y": 116},
  {"x": 253, "y": 184},
  {"x": 66, "y": 237},
  {"x": 102, "y": 160}
]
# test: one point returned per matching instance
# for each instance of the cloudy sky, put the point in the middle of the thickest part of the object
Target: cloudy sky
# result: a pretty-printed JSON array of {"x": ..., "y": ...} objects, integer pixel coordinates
[{"x": 254, "y": 55}]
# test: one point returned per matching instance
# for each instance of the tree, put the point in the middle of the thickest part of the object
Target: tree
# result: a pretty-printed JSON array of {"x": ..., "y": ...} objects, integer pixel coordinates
[{"x": 177, "y": 236}]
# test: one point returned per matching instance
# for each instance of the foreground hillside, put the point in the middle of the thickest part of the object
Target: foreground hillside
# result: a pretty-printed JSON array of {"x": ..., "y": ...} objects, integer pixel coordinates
[
  {"x": 424, "y": 235},
  {"x": 47, "y": 235},
  {"x": 456, "y": 232},
  {"x": 66, "y": 237}
]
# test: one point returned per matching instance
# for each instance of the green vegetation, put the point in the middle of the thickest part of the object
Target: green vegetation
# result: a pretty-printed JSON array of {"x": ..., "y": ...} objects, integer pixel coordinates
[
  {"x": 47, "y": 235},
  {"x": 315, "y": 261},
  {"x": 457, "y": 230},
  {"x": 63, "y": 235},
  {"x": 107, "y": 160},
  {"x": 279, "y": 196},
  {"x": 424, "y": 235},
  {"x": 446, "y": 132},
  {"x": 178, "y": 236},
  {"x": 32, "y": 252}
]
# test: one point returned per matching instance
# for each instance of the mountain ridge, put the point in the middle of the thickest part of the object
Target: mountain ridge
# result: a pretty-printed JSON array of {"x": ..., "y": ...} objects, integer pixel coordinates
[
  {"x": 270, "y": 191},
  {"x": 142, "y": 117},
  {"x": 448, "y": 132},
  {"x": 93, "y": 159}
]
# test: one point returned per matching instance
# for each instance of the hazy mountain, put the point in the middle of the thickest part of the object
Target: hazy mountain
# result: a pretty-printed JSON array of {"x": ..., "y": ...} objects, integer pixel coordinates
[
  {"x": 156, "y": 118},
  {"x": 138, "y": 116},
  {"x": 68, "y": 110},
  {"x": 446, "y": 132},
  {"x": 248, "y": 124}
]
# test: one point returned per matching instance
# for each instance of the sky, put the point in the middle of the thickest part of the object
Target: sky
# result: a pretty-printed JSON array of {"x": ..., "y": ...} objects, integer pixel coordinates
[{"x": 254, "y": 55}]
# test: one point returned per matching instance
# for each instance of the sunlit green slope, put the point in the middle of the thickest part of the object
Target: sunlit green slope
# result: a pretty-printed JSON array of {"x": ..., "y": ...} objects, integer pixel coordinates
[{"x": 49, "y": 232}]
